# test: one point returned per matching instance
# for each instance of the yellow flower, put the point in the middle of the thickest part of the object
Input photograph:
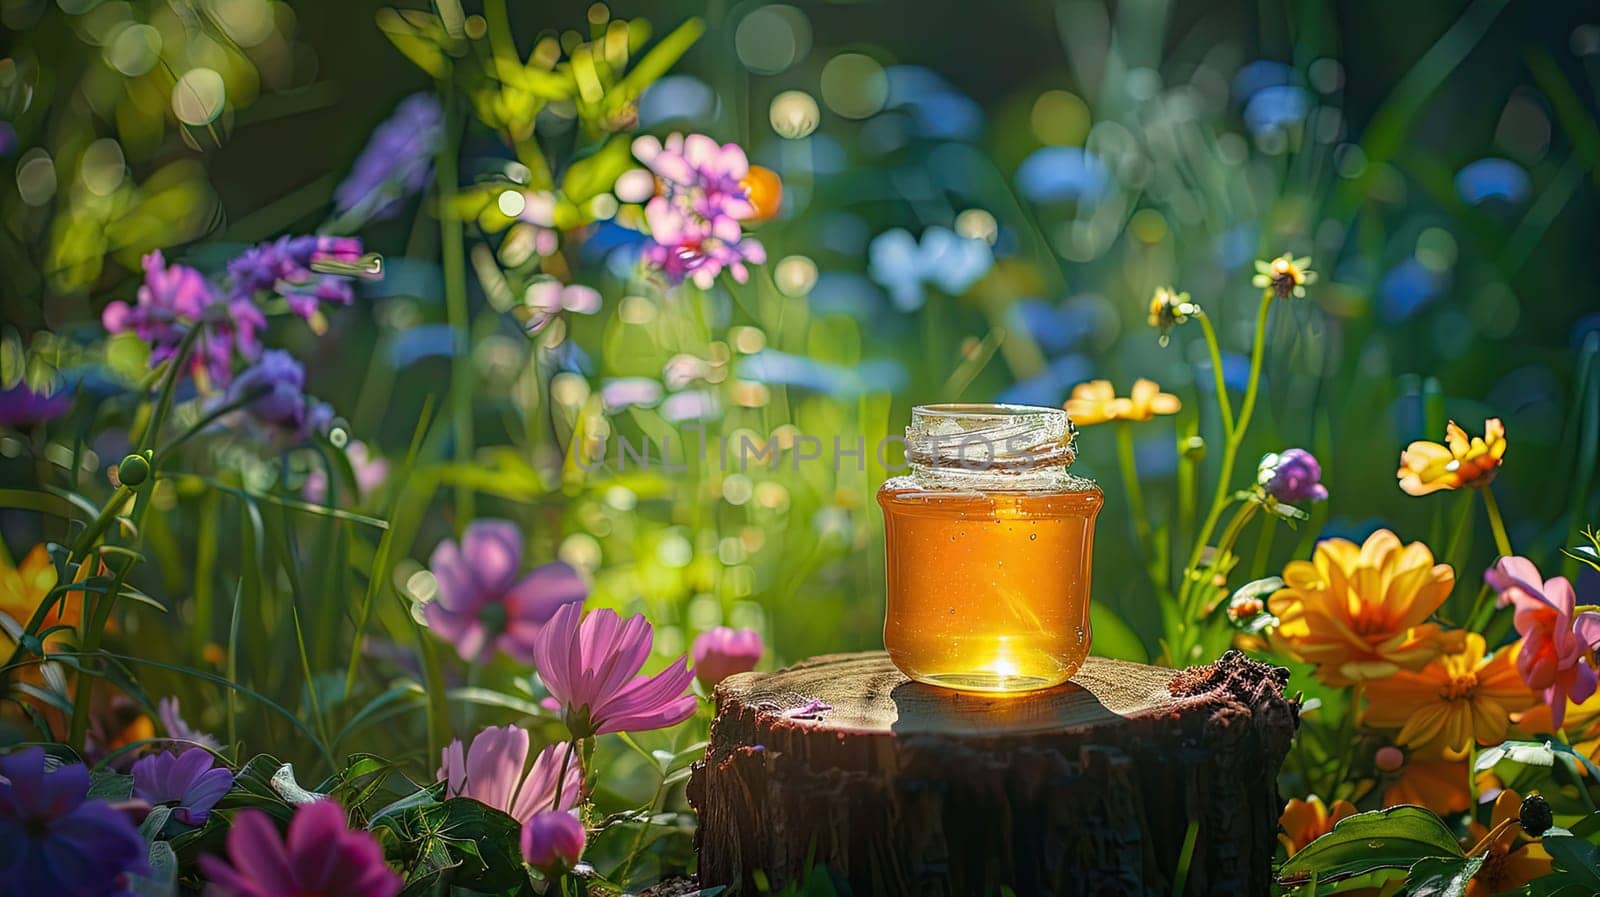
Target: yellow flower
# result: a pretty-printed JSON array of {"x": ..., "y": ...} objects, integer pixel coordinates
[
  {"x": 1285, "y": 275},
  {"x": 1357, "y": 611},
  {"x": 1304, "y": 821},
  {"x": 1169, "y": 308},
  {"x": 24, "y": 586},
  {"x": 1439, "y": 785},
  {"x": 1096, "y": 402},
  {"x": 1511, "y": 861},
  {"x": 1454, "y": 700},
  {"x": 1430, "y": 467}
]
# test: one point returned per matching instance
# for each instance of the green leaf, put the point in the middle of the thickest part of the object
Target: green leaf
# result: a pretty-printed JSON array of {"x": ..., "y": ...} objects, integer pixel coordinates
[
  {"x": 1523, "y": 753},
  {"x": 1113, "y": 637},
  {"x": 1576, "y": 857},
  {"x": 283, "y": 782},
  {"x": 1395, "y": 838},
  {"x": 659, "y": 60},
  {"x": 591, "y": 176},
  {"x": 1442, "y": 877},
  {"x": 163, "y": 878},
  {"x": 417, "y": 35}
]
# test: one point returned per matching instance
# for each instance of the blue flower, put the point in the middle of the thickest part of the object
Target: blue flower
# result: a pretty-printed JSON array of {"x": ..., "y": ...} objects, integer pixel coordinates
[
  {"x": 903, "y": 266},
  {"x": 56, "y": 840},
  {"x": 1276, "y": 108},
  {"x": 774, "y": 367},
  {"x": 1406, "y": 289},
  {"x": 937, "y": 109},
  {"x": 1062, "y": 173},
  {"x": 1256, "y": 76},
  {"x": 273, "y": 395},
  {"x": 677, "y": 99},
  {"x": 1050, "y": 388},
  {"x": 1491, "y": 178},
  {"x": 397, "y": 161}
]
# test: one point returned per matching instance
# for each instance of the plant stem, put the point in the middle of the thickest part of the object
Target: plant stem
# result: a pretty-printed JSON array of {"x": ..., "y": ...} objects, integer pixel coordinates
[
  {"x": 1224, "y": 404},
  {"x": 561, "y": 777},
  {"x": 1130, "y": 483},
  {"x": 453, "y": 260},
  {"x": 1230, "y": 448},
  {"x": 1497, "y": 524}
]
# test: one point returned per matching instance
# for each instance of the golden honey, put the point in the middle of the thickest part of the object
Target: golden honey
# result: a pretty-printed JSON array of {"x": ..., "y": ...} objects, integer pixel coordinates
[{"x": 989, "y": 544}]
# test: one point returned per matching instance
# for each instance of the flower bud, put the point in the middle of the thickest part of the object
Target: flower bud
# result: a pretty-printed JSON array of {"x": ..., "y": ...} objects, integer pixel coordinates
[
  {"x": 1193, "y": 449},
  {"x": 1292, "y": 475},
  {"x": 1535, "y": 815},
  {"x": 721, "y": 652},
  {"x": 1389, "y": 758},
  {"x": 552, "y": 841},
  {"x": 133, "y": 470},
  {"x": 764, "y": 191}
]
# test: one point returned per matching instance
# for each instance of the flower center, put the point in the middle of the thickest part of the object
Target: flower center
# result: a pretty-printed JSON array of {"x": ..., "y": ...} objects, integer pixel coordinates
[
  {"x": 493, "y": 616},
  {"x": 1461, "y": 687}
]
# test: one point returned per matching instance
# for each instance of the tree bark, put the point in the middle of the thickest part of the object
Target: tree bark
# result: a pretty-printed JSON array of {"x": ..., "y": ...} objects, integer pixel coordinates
[{"x": 840, "y": 766}]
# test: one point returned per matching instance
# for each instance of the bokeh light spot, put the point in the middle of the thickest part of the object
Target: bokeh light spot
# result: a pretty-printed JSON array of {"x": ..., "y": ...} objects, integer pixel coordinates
[
  {"x": 36, "y": 177},
  {"x": 795, "y": 275},
  {"x": 103, "y": 167},
  {"x": 772, "y": 38},
  {"x": 1059, "y": 118},
  {"x": 978, "y": 224},
  {"x": 248, "y": 22},
  {"x": 134, "y": 50},
  {"x": 854, "y": 85},
  {"x": 794, "y": 114},
  {"x": 198, "y": 97}
]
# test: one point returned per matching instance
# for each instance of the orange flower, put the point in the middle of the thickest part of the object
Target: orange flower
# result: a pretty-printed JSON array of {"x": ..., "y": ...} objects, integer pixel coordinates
[
  {"x": 1430, "y": 467},
  {"x": 1304, "y": 821},
  {"x": 764, "y": 191},
  {"x": 1096, "y": 402},
  {"x": 24, "y": 586},
  {"x": 1357, "y": 612},
  {"x": 1511, "y": 861},
  {"x": 1454, "y": 700},
  {"x": 1439, "y": 785}
]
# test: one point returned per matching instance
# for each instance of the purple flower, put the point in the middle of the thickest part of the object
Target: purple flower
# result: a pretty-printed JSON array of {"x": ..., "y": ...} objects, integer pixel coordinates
[
  {"x": 21, "y": 406},
  {"x": 273, "y": 393},
  {"x": 53, "y": 840},
  {"x": 179, "y": 730},
  {"x": 370, "y": 471},
  {"x": 694, "y": 222},
  {"x": 1291, "y": 475},
  {"x": 175, "y": 298},
  {"x": 490, "y": 772},
  {"x": 398, "y": 159},
  {"x": 482, "y": 605},
  {"x": 321, "y": 857},
  {"x": 189, "y": 781},
  {"x": 285, "y": 266},
  {"x": 552, "y": 842},
  {"x": 587, "y": 662},
  {"x": 721, "y": 652}
]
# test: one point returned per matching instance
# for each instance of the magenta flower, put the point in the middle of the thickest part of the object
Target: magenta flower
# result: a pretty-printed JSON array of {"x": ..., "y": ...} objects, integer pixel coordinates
[
  {"x": 370, "y": 470},
  {"x": 1292, "y": 475},
  {"x": 179, "y": 730},
  {"x": 189, "y": 781},
  {"x": 54, "y": 840},
  {"x": 482, "y": 605},
  {"x": 695, "y": 220},
  {"x": 175, "y": 298},
  {"x": 1555, "y": 641},
  {"x": 490, "y": 772},
  {"x": 721, "y": 652},
  {"x": 552, "y": 842},
  {"x": 586, "y": 662},
  {"x": 321, "y": 857},
  {"x": 287, "y": 266}
]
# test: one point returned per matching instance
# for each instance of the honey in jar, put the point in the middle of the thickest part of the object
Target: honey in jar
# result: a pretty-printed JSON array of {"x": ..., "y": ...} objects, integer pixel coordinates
[{"x": 989, "y": 546}]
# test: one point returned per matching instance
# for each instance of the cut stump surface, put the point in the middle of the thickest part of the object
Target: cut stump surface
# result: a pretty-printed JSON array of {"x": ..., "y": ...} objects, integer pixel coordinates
[{"x": 897, "y": 788}]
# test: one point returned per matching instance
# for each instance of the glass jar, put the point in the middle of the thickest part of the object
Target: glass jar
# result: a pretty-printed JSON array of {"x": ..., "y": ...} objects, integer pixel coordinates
[{"x": 989, "y": 544}]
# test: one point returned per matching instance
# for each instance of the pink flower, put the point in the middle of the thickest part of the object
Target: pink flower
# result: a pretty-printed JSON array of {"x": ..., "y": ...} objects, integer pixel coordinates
[
  {"x": 552, "y": 842},
  {"x": 481, "y": 605},
  {"x": 721, "y": 652},
  {"x": 175, "y": 298},
  {"x": 370, "y": 470},
  {"x": 321, "y": 857},
  {"x": 491, "y": 773},
  {"x": 587, "y": 662},
  {"x": 1555, "y": 642},
  {"x": 694, "y": 222}
]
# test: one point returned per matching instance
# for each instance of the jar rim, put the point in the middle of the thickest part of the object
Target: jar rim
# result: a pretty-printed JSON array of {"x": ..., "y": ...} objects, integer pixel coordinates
[{"x": 1006, "y": 445}]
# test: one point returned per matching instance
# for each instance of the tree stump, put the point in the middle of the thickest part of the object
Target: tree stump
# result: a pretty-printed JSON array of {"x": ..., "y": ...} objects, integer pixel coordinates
[{"x": 896, "y": 788}]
